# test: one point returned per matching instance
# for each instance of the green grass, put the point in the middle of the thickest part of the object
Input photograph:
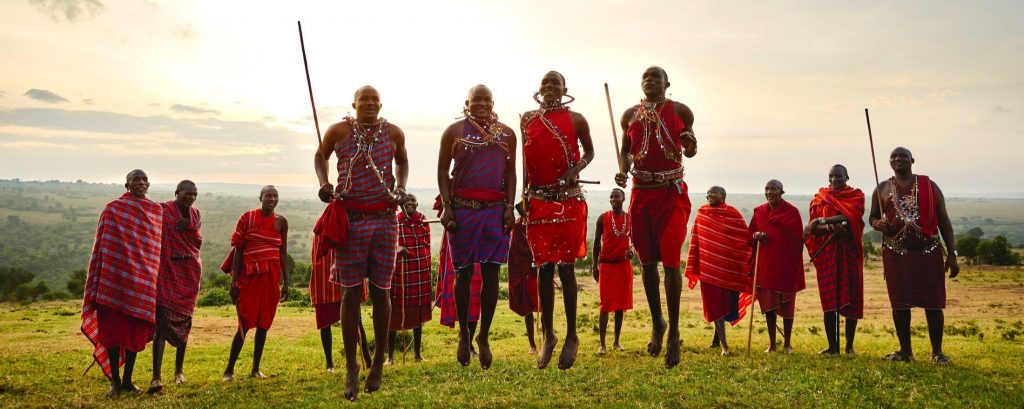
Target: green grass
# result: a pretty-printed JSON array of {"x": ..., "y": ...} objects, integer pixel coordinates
[{"x": 42, "y": 356}]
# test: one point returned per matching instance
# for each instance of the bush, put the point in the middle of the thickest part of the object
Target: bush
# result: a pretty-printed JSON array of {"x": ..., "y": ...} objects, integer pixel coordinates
[
  {"x": 214, "y": 297},
  {"x": 967, "y": 247},
  {"x": 76, "y": 282},
  {"x": 297, "y": 298},
  {"x": 997, "y": 252},
  {"x": 56, "y": 295},
  {"x": 10, "y": 280},
  {"x": 221, "y": 281},
  {"x": 300, "y": 274}
]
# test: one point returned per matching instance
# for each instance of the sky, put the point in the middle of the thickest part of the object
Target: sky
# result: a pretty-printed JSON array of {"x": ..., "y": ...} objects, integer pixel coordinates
[{"x": 215, "y": 91}]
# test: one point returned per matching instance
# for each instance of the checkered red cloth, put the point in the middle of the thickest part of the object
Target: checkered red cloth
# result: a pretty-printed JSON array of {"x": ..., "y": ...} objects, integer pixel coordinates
[
  {"x": 916, "y": 278},
  {"x": 841, "y": 263},
  {"x": 522, "y": 276},
  {"x": 411, "y": 286},
  {"x": 720, "y": 254},
  {"x": 445, "y": 297},
  {"x": 369, "y": 252},
  {"x": 123, "y": 268},
  {"x": 180, "y": 265}
]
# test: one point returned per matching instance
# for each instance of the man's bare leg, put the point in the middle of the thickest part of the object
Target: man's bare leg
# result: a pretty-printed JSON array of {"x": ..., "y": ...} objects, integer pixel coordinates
[
  {"x": 569, "y": 294},
  {"x": 715, "y": 343},
  {"x": 381, "y": 315},
  {"x": 546, "y": 288},
  {"x": 618, "y": 329},
  {"x": 155, "y": 384},
  {"x": 652, "y": 289},
  {"x": 936, "y": 324},
  {"x": 179, "y": 364},
  {"x": 417, "y": 342},
  {"x": 365, "y": 348},
  {"x": 673, "y": 290},
  {"x": 392, "y": 339},
  {"x": 488, "y": 303},
  {"x": 787, "y": 332},
  {"x": 529, "y": 333},
  {"x": 771, "y": 318},
  {"x": 472, "y": 332},
  {"x": 901, "y": 320},
  {"x": 236, "y": 348},
  {"x": 851, "y": 333},
  {"x": 257, "y": 353},
  {"x": 114, "y": 355},
  {"x": 720, "y": 330},
  {"x": 327, "y": 341},
  {"x": 830, "y": 333},
  {"x": 463, "y": 280},
  {"x": 350, "y": 326},
  {"x": 126, "y": 379},
  {"x": 602, "y": 330}
]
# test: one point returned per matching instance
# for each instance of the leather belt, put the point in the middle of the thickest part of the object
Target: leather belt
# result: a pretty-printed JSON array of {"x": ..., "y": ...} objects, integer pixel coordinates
[
  {"x": 644, "y": 176},
  {"x": 555, "y": 193},
  {"x": 461, "y": 202}
]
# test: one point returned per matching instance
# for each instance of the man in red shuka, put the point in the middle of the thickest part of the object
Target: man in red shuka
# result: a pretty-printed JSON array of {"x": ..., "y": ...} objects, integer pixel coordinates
[
  {"x": 658, "y": 134},
  {"x": 612, "y": 267}
]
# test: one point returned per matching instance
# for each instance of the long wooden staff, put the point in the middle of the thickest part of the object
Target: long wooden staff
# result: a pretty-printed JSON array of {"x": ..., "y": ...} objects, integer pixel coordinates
[
  {"x": 309, "y": 85},
  {"x": 753, "y": 295},
  {"x": 615, "y": 132},
  {"x": 874, "y": 164}
]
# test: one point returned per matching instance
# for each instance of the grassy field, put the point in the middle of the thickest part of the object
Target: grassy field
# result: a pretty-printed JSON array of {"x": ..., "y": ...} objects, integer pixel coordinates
[{"x": 43, "y": 354}]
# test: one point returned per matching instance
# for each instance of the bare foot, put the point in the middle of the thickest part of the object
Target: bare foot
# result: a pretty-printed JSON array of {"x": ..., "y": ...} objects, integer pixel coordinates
[
  {"x": 941, "y": 359},
  {"x": 228, "y": 377},
  {"x": 770, "y": 349},
  {"x": 829, "y": 351},
  {"x": 617, "y": 347},
  {"x": 373, "y": 379},
  {"x": 351, "y": 384},
  {"x": 601, "y": 350},
  {"x": 462, "y": 353},
  {"x": 545, "y": 353},
  {"x": 654, "y": 345},
  {"x": 568, "y": 357},
  {"x": 672, "y": 352},
  {"x": 726, "y": 352},
  {"x": 130, "y": 387},
  {"x": 389, "y": 361},
  {"x": 850, "y": 351},
  {"x": 714, "y": 345},
  {"x": 419, "y": 358},
  {"x": 787, "y": 350},
  {"x": 115, "y": 391},
  {"x": 533, "y": 350},
  {"x": 485, "y": 352},
  {"x": 330, "y": 370},
  {"x": 179, "y": 378},
  {"x": 155, "y": 386},
  {"x": 257, "y": 375}
]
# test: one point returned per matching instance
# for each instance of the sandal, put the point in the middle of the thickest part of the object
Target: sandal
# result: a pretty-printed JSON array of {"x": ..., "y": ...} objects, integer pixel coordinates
[
  {"x": 941, "y": 359},
  {"x": 899, "y": 356}
]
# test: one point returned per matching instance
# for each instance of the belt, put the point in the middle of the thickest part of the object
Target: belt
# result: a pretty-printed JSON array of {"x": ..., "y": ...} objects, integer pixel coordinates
[
  {"x": 182, "y": 257},
  {"x": 555, "y": 193},
  {"x": 461, "y": 202},
  {"x": 657, "y": 177}
]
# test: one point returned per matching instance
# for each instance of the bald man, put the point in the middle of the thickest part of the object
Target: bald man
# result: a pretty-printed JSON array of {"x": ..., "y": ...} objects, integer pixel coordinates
[
  {"x": 658, "y": 134},
  {"x": 258, "y": 261},
  {"x": 911, "y": 217},
  {"x": 778, "y": 230},
  {"x": 119, "y": 304},
  {"x": 556, "y": 212},
  {"x": 360, "y": 224},
  {"x": 477, "y": 200}
]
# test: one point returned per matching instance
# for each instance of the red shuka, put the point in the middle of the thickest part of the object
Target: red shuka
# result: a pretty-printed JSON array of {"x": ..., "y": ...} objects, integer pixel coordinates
[
  {"x": 119, "y": 306},
  {"x": 557, "y": 231},
  {"x": 841, "y": 263},
  {"x": 615, "y": 279},
  {"x": 720, "y": 253},
  {"x": 411, "y": 287},
  {"x": 181, "y": 268},
  {"x": 258, "y": 290},
  {"x": 781, "y": 259},
  {"x": 522, "y": 277}
]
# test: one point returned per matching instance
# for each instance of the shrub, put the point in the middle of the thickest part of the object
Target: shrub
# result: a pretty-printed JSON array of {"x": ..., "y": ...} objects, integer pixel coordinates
[
  {"x": 214, "y": 297},
  {"x": 76, "y": 282}
]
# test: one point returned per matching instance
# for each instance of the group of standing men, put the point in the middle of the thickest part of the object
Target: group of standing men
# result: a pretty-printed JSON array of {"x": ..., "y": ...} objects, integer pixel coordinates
[{"x": 357, "y": 239}]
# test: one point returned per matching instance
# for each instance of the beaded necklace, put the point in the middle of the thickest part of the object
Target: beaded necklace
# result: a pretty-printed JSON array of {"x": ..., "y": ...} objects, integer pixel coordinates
[
  {"x": 365, "y": 137},
  {"x": 648, "y": 116},
  {"x": 563, "y": 140},
  {"x": 618, "y": 231},
  {"x": 491, "y": 132},
  {"x": 907, "y": 210}
]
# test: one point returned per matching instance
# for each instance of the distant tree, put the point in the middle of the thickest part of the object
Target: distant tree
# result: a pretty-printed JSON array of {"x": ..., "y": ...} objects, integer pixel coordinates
[
  {"x": 11, "y": 279},
  {"x": 76, "y": 283},
  {"x": 869, "y": 248},
  {"x": 975, "y": 232},
  {"x": 300, "y": 274},
  {"x": 13, "y": 220},
  {"x": 968, "y": 248},
  {"x": 989, "y": 221},
  {"x": 997, "y": 252},
  {"x": 873, "y": 235}
]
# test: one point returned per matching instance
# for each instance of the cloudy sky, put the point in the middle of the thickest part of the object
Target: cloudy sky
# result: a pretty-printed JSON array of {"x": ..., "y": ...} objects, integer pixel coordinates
[{"x": 215, "y": 91}]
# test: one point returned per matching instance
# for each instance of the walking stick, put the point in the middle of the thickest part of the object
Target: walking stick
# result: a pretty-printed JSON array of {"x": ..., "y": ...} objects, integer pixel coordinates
[
  {"x": 309, "y": 85},
  {"x": 874, "y": 164},
  {"x": 615, "y": 132},
  {"x": 753, "y": 295}
]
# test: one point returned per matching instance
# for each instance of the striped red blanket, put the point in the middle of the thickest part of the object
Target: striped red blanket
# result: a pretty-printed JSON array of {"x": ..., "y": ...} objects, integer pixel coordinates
[
  {"x": 719, "y": 252},
  {"x": 260, "y": 241},
  {"x": 180, "y": 265},
  {"x": 411, "y": 287},
  {"x": 123, "y": 271}
]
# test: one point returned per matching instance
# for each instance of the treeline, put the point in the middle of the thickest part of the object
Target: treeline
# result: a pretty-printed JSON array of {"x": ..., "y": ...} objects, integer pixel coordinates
[{"x": 18, "y": 284}]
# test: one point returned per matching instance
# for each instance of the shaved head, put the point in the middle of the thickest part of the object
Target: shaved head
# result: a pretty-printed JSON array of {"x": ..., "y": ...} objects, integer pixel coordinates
[
  {"x": 133, "y": 173},
  {"x": 774, "y": 182},
  {"x": 363, "y": 89},
  {"x": 843, "y": 169},
  {"x": 902, "y": 150},
  {"x": 478, "y": 88},
  {"x": 717, "y": 189},
  {"x": 184, "y": 185},
  {"x": 664, "y": 74},
  {"x": 560, "y": 76},
  {"x": 267, "y": 189}
]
